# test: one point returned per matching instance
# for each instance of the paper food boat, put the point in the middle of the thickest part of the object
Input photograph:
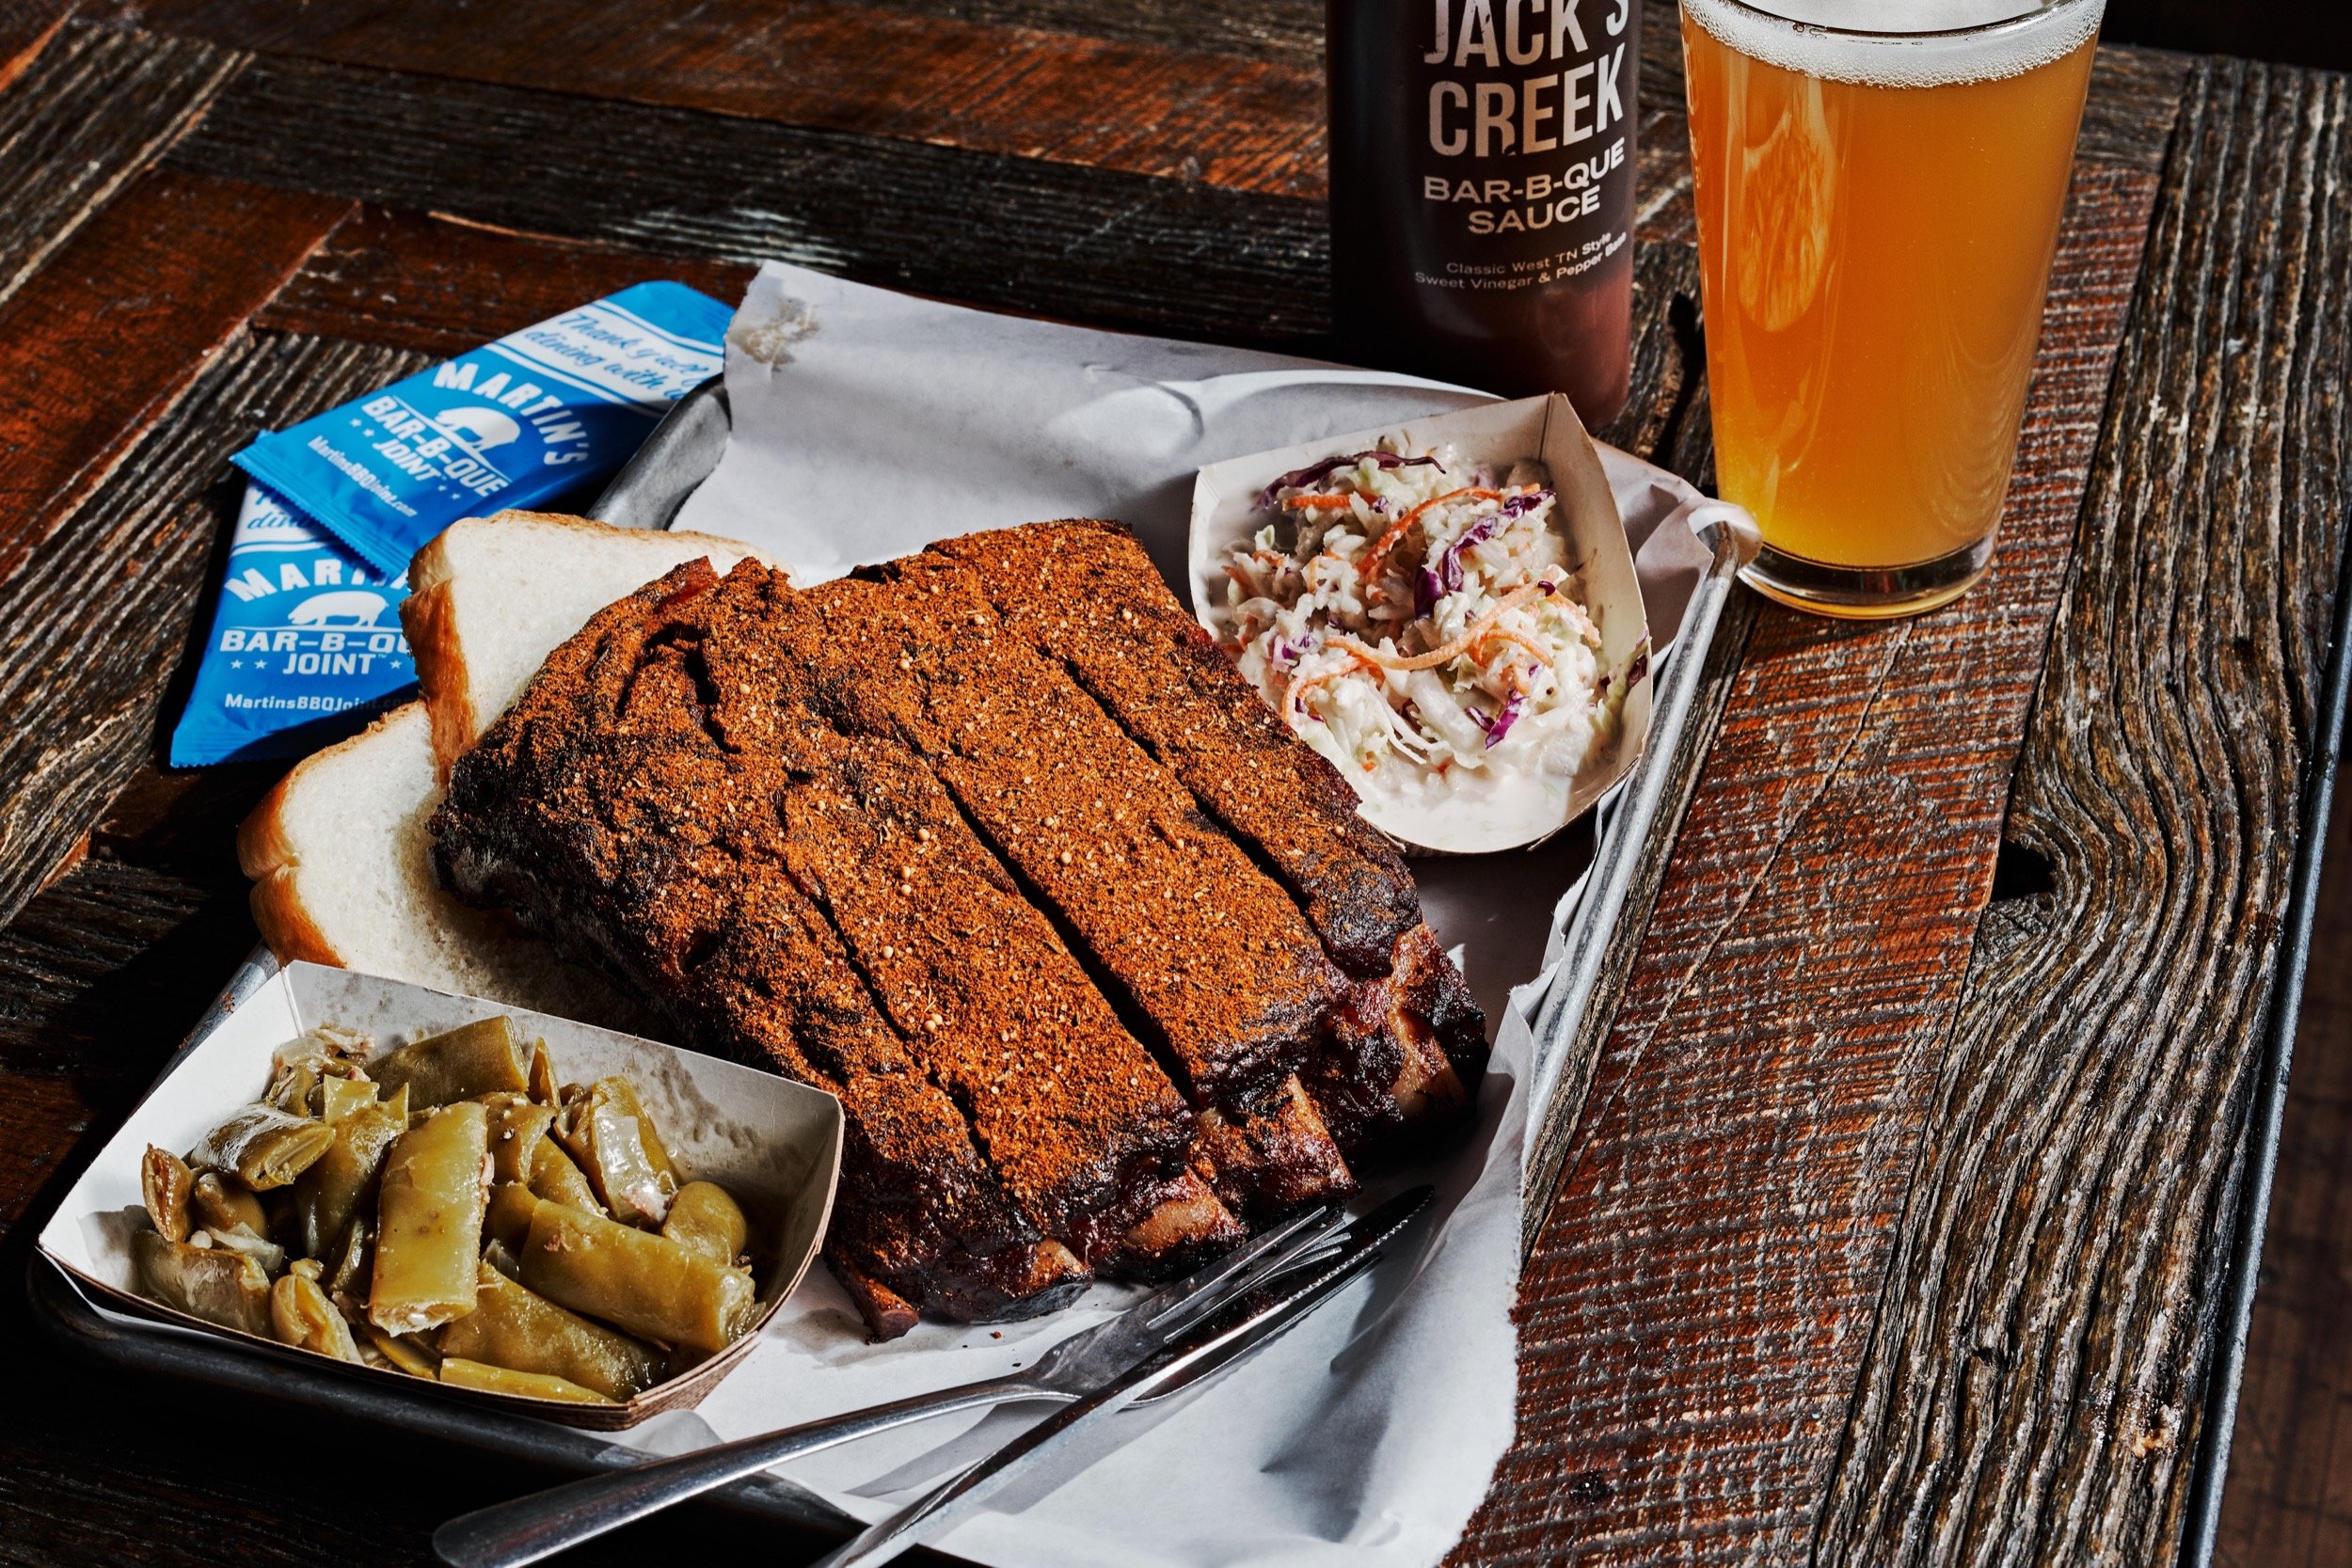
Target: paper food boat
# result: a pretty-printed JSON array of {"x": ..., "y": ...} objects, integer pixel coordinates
[
  {"x": 773, "y": 1143},
  {"x": 1518, "y": 809}
]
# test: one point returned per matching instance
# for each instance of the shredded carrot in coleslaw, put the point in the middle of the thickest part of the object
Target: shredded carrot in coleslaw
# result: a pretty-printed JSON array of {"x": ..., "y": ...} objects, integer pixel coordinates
[
  {"x": 1301, "y": 684},
  {"x": 1388, "y": 540},
  {"x": 1453, "y": 649}
]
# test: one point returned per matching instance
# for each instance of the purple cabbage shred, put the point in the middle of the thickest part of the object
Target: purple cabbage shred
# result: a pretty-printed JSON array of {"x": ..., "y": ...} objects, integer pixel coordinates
[
  {"x": 1298, "y": 478},
  {"x": 1450, "y": 559},
  {"x": 1513, "y": 707}
]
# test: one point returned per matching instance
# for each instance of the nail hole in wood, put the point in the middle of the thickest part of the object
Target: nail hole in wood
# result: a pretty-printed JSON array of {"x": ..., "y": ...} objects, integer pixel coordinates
[{"x": 2021, "y": 871}]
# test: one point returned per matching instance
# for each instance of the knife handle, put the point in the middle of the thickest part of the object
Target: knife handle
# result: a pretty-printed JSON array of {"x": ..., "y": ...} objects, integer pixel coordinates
[{"x": 509, "y": 1534}]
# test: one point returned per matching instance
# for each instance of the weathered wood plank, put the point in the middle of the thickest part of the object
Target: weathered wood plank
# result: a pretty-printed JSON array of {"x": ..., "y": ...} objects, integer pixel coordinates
[
  {"x": 80, "y": 693},
  {"x": 121, "y": 319},
  {"x": 1120, "y": 249},
  {"x": 86, "y": 114},
  {"x": 2289, "y": 1498},
  {"x": 409, "y": 281},
  {"x": 1695, "y": 1307},
  {"x": 2035, "y": 1386},
  {"x": 26, "y": 28},
  {"x": 983, "y": 85},
  {"x": 1290, "y": 31}
]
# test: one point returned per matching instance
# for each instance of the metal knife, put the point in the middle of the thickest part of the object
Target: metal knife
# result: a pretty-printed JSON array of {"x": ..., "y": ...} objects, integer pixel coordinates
[{"x": 1261, "y": 1314}]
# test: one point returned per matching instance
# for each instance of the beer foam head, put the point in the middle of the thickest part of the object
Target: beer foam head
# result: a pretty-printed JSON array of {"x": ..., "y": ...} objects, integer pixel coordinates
[{"x": 1909, "y": 43}]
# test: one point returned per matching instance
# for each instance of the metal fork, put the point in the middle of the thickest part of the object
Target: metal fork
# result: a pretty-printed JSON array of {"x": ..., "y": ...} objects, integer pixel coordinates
[
  {"x": 1274, "y": 1301},
  {"x": 509, "y": 1534}
]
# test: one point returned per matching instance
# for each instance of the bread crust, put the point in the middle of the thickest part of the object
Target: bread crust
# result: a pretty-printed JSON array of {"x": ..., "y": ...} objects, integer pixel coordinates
[
  {"x": 265, "y": 852},
  {"x": 429, "y": 617}
]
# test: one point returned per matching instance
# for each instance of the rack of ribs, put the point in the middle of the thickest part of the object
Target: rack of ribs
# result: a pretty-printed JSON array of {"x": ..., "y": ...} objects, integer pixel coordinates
[{"x": 1101, "y": 969}]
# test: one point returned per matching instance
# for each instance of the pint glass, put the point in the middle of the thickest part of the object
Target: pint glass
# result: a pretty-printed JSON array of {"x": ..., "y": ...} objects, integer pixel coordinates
[{"x": 1876, "y": 214}]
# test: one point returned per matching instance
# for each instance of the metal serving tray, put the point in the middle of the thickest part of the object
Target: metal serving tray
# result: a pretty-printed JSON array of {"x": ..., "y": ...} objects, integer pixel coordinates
[{"x": 647, "y": 493}]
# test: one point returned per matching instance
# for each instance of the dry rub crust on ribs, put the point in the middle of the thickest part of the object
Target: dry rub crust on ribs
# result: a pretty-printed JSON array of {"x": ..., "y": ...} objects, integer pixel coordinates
[
  {"x": 608, "y": 812},
  {"x": 1213, "y": 960},
  {"x": 1086, "y": 595},
  {"x": 872, "y": 837}
]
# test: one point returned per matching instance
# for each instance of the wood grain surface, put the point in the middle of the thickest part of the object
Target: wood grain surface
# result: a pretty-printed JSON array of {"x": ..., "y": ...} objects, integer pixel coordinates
[
  {"x": 1780, "y": 1102},
  {"x": 990, "y": 85},
  {"x": 1119, "y": 249},
  {"x": 1698, "y": 1299},
  {"x": 126, "y": 313},
  {"x": 441, "y": 285},
  {"x": 2034, "y": 1382}
]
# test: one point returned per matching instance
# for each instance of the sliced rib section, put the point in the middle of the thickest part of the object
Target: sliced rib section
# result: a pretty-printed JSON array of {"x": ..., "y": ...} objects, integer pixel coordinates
[
  {"x": 1407, "y": 1039},
  {"x": 1208, "y": 953},
  {"x": 1087, "y": 596}
]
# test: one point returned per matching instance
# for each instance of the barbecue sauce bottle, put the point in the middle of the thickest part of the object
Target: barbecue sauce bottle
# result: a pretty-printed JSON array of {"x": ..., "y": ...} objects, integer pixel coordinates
[{"x": 1481, "y": 191}]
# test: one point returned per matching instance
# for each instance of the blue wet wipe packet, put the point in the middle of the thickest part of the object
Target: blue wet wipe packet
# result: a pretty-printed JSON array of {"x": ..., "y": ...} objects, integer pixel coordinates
[
  {"x": 504, "y": 425},
  {"x": 305, "y": 645}
]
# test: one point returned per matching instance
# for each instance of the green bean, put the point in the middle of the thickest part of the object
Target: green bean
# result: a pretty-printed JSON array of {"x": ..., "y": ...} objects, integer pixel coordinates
[
  {"x": 517, "y": 1127},
  {"x": 341, "y": 1097},
  {"x": 473, "y": 1059},
  {"x": 543, "y": 1087},
  {"x": 212, "y": 1283},
  {"x": 512, "y": 1327},
  {"x": 508, "y": 1220},
  {"x": 410, "y": 1353},
  {"x": 554, "y": 1177},
  {"x": 428, "y": 1223},
  {"x": 301, "y": 1316},
  {"x": 264, "y": 1146},
  {"x": 461, "y": 1373},
  {"x": 644, "y": 1283},
  {"x": 268, "y": 1254},
  {"x": 347, "y": 1272},
  {"x": 704, "y": 1219},
  {"x": 615, "y": 1142},
  {"x": 344, "y": 1178},
  {"x": 167, "y": 1187},
  {"x": 222, "y": 1203}
]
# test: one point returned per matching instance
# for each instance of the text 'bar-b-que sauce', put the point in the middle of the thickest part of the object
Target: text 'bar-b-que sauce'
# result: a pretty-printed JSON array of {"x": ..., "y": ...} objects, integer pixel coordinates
[{"x": 1481, "y": 191}]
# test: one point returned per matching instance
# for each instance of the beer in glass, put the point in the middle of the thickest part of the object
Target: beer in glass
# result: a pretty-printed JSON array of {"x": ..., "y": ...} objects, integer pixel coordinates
[{"x": 1877, "y": 211}]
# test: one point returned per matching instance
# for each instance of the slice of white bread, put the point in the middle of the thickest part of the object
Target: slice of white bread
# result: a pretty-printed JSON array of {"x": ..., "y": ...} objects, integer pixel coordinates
[
  {"x": 491, "y": 597},
  {"x": 338, "y": 852},
  {"x": 342, "y": 875}
]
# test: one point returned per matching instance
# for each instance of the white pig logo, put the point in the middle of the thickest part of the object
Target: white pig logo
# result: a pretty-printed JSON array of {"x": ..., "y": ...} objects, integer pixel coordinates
[
  {"x": 350, "y": 607},
  {"x": 480, "y": 428}
]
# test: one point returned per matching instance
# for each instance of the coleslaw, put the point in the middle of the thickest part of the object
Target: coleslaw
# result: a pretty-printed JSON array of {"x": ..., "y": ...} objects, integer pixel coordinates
[{"x": 1417, "y": 620}]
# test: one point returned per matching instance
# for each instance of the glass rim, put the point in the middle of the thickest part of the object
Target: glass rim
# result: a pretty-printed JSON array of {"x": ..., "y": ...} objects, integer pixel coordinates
[{"x": 2023, "y": 22}]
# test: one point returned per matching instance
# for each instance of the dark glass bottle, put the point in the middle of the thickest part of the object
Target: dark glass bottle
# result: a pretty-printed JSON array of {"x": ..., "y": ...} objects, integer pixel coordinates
[{"x": 1481, "y": 191}]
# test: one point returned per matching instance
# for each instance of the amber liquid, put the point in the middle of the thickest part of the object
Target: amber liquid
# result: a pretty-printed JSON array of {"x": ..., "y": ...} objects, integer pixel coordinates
[{"x": 1873, "y": 261}]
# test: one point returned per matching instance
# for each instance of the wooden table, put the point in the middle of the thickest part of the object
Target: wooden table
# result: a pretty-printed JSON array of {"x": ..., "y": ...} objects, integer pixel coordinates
[{"x": 1897, "y": 1222}]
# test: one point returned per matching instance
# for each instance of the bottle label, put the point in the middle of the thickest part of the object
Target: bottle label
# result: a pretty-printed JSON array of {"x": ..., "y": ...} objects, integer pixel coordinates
[{"x": 1528, "y": 111}]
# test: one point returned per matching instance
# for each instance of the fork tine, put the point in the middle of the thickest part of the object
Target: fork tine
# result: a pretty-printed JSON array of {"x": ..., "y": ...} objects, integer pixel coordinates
[
  {"x": 1272, "y": 1247},
  {"x": 1168, "y": 1310}
]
